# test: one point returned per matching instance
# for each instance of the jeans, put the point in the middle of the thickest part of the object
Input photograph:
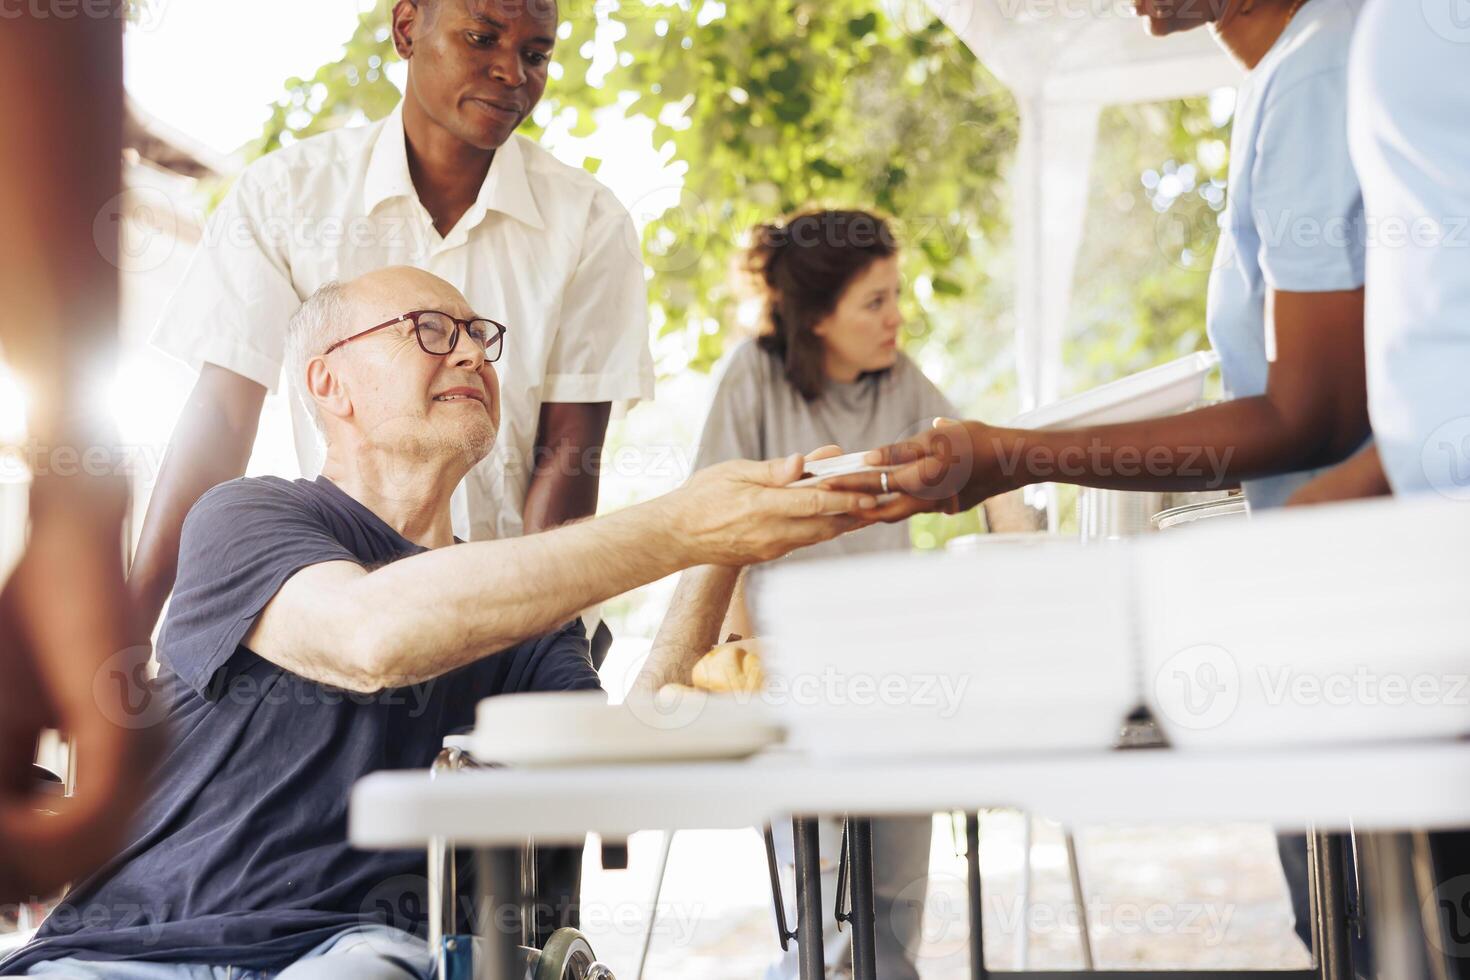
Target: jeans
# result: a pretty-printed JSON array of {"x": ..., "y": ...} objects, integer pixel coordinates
[
  {"x": 1296, "y": 867},
  {"x": 376, "y": 953}
]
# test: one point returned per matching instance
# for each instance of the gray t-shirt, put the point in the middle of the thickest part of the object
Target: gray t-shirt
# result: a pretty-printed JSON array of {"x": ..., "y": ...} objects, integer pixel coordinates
[{"x": 758, "y": 414}]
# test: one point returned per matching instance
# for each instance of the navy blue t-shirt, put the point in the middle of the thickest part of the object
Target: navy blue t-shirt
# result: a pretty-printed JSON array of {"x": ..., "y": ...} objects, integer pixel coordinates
[{"x": 240, "y": 856}]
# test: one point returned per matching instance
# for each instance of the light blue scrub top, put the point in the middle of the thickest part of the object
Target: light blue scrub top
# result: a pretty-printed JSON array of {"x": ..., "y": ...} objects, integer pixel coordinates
[
  {"x": 1409, "y": 94},
  {"x": 1294, "y": 222}
]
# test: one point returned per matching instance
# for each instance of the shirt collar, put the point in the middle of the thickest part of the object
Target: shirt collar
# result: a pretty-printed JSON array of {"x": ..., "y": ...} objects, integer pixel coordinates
[
  {"x": 506, "y": 189},
  {"x": 387, "y": 172}
]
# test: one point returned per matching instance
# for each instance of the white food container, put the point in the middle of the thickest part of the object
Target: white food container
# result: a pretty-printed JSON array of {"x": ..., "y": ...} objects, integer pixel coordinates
[
  {"x": 1327, "y": 624},
  {"x": 999, "y": 650},
  {"x": 1151, "y": 394}
]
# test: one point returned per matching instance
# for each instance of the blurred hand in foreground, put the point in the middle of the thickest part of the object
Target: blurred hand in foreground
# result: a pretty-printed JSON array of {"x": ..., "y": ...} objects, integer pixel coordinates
[
  {"x": 68, "y": 661},
  {"x": 66, "y": 630}
]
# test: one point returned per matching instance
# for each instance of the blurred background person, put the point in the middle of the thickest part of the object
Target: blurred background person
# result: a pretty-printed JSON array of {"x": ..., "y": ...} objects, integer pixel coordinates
[
  {"x": 827, "y": 370},
  {"x": 65, "y": 660}
]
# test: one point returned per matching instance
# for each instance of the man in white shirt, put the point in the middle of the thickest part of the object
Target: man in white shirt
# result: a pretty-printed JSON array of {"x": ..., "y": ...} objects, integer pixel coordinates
[{"x": 443, "y": 184}]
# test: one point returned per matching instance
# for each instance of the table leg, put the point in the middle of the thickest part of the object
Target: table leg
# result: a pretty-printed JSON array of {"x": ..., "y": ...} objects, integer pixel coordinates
[
  {"x": 532, "y": 934},
  {"x": 976, "y": 898},
  {"x": 810, "y": 956},
  {"x": 864, "y": 926},
  {"x": 1329, "y": 905},
  {"x": 497, "y": 874},
  {"x": 1074, "y": 871},
  {"x": 1393, "y": 907}
]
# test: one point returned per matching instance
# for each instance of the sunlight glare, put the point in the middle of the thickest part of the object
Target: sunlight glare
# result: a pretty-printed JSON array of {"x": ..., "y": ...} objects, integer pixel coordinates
[{"x": 12, "y": 407}]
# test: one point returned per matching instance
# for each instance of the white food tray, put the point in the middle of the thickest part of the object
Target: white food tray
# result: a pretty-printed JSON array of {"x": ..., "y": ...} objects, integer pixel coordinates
[
  {"x": 1322, "y": 625},
  {"x": 1001, "y": 651},
  {"x": 1159, "y": 391}
]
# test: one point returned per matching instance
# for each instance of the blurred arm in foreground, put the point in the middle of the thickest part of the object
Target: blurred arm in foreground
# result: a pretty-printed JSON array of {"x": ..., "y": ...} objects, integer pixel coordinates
[{"x": 65, "y": 660}]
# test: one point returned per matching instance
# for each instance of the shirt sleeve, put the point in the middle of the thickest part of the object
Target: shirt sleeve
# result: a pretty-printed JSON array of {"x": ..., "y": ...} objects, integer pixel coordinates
[
  {"x": 601, "y": 352},
  {"x": 560, "y": 661},
  {"x": 1306, "y": 203},
  {"x": 239, "y": 545},
  {"x": 232, "y": 306},
  {"x": 732, "y": 427}
]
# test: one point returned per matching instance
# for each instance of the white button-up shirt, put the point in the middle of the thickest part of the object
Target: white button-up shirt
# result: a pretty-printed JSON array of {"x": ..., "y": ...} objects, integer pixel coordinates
[{"x": 545, "y": 249}]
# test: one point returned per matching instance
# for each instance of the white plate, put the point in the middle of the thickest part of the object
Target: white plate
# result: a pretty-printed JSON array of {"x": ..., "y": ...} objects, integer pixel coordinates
[
  {"x": 827, "y": 469},
  {"x": 581, "y": 728}
]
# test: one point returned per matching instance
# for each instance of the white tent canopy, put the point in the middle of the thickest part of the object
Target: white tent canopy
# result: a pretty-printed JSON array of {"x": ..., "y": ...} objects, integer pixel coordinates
[{"x": 1064, "y": 60}]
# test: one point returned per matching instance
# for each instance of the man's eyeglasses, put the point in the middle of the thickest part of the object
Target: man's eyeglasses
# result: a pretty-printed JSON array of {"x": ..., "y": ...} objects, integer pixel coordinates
[{"x": 438, "y": 333}]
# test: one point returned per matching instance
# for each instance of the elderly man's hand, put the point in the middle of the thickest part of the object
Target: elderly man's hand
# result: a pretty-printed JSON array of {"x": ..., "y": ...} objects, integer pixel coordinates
[
  {"x": 743, "y": 512},
  {"x": 949, "y": 469}
]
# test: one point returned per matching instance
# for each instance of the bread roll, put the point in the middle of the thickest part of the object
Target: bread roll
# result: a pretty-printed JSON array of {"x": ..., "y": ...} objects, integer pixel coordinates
[{"x": 731, "y": 668}]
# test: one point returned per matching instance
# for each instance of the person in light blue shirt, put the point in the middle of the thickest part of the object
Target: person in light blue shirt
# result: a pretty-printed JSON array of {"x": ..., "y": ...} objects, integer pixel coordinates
[
  {"x": 1409, "y": 98},
  {"x": 1295, "y": 219}
]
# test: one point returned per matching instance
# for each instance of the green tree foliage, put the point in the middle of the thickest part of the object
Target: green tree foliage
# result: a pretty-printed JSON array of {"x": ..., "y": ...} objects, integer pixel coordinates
[
  {"x": 348, "y": 90},
  {"x": 1150, "y": 234},
  {"x": 788, "y": 104}
]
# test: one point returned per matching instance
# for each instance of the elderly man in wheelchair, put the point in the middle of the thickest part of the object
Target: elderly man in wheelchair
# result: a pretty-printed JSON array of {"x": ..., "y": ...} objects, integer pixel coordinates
[{"x": 324, "y": 629}]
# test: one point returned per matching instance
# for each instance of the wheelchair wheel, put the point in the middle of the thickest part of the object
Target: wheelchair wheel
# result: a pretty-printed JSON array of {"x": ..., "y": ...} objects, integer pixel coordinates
[{"x": 568, "y": 956}]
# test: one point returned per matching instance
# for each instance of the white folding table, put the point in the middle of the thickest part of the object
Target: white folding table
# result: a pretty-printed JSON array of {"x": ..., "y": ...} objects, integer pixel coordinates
[{"x": 1384, "y": 789}]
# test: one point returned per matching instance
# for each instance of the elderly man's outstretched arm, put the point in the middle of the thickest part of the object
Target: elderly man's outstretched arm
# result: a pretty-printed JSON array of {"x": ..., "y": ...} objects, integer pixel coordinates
[
  {"x": 400, "y": 376},
  {"x": 424, "y": 616}
]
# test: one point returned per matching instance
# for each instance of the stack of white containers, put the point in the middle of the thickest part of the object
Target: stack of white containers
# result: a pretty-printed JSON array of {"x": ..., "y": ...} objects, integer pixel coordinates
[
  {"x": 1003, "y": 649},
  {"x": 1329, "y": 624},
  {"x": 1326, "y": 624}
]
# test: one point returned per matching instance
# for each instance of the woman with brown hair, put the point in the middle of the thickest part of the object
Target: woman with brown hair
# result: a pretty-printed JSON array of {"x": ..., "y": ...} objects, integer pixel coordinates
[{"x": 827, "y": 370}]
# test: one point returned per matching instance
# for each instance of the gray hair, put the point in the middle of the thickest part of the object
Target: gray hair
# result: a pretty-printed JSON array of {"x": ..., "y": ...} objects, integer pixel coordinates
[{"x": 317, "y": 325}]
